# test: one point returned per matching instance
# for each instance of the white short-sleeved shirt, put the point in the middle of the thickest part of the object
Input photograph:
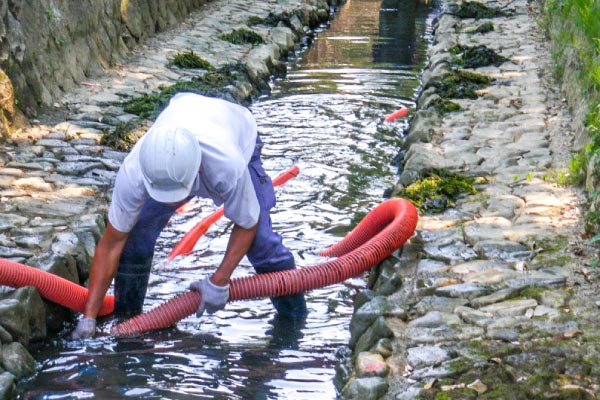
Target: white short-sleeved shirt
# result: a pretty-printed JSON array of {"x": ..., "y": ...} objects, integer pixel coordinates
[{"x": 227, "y": 136}]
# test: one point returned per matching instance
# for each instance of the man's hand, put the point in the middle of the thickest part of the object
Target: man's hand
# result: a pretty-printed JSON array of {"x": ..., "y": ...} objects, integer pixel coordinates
[
  {"x": 214, "y": 297},
  {"x": 86, "y": 328}
]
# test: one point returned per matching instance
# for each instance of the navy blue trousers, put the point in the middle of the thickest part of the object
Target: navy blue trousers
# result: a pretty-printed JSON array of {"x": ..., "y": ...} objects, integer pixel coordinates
[{"x": 266, "y": 254}]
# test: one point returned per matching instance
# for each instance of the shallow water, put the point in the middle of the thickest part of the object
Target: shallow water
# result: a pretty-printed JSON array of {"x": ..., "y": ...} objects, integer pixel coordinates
[{"x": 326, "y": 117}]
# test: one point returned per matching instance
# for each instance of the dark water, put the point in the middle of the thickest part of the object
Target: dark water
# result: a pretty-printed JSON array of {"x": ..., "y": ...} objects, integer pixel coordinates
[{"x": 326, "y": 117}]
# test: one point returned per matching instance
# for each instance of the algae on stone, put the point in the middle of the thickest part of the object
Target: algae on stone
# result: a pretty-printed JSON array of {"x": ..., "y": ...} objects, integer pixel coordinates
[
  {"x": 123, "y": 137},
  {"x": 242, "y": 36},
  {"x": 269, "y": 20},
  {"x": 444, "y": 106},
  {"x": 460, "y": 84},
  {"x": 483, "y": 28},
  {"x": 476, "y": 56},
  {"x": 474, "y": 9},
  {"x": 437, "y": 190},
  {"x": 189, "y": 59},
  {"x": 210, "y": 84}
]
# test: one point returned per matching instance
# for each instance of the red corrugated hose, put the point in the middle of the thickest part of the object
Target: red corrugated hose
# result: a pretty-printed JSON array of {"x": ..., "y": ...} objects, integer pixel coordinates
[
  {"x": 375, "y": 238},
  {"x": 385, "y": 229},
  {"x": 189, "y": 240},
  {"x": 51, "y": 287}
]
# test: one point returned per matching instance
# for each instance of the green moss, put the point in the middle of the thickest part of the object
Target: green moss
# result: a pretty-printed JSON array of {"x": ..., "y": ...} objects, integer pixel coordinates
[
  {"x": 483, "y": 28},
  {"x": 460, "y": 84},
  {"x": 476, "y": 56},
  {"x": 437, "y": 190},
  {"x": 210, "y": 84},
  {"x": 474, "y": 9},
  {"x": 142, "y": 106},
  {"x": 549, "y": 251},
  {"x": 254, "y": 20},
  {"x": 460, "y": 365},
  {"x": 532, "y": 369},
  {"x": 122, "y": 138},
  {"x": 270, "y": 20},
  {"x": 242, "y": 36},
  {"x": 554, "y": 244},
  {"x": 444, "y": 106},
  {"x": 532, "y": 293},
  {"x": 189, "y": 59}
]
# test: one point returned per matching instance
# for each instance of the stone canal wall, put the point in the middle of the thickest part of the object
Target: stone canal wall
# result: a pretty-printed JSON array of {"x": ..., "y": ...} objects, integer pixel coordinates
[
  {"x": 494, "y": 297},
  {"x": 56, "y": 175},
  {"x": 48, "y": 47}
]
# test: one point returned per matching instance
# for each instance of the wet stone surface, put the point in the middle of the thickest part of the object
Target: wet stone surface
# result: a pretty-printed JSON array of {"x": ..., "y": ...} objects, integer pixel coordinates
[
  {"x": 489, "y": 298},
  {"x": 55, "y": 176},
  {"x": 498, "y": 296}
]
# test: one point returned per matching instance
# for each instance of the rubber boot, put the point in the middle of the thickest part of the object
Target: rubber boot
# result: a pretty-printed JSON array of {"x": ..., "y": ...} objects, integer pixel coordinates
[
  {"x": 290, "y": 306},
  {"x": 131, "y": 283}
]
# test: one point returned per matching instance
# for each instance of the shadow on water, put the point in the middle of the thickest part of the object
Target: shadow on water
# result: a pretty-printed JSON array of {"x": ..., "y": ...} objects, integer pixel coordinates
[{"x": 327, "y": 117}]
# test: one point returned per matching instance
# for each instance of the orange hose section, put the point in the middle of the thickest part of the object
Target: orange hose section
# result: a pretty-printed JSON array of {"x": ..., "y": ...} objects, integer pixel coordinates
[
  {"x": 399, "y": 113},
  {"x": 189, "y": 240},
  {"x": 51, "y": 287},
  {"x": 381, "y": 232}
]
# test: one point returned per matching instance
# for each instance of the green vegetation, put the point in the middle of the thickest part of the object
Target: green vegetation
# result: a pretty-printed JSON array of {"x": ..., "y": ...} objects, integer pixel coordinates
[
  {"x": 189, "y": 59},
  {"x": 483, "y": 28},
  {"x": 474, "y": 9},
  {"x": 444, "y": 106},
  {"x": 211, "y": 84},
  {"x": 574, "y": 174},
  {"x": 270, "y": 20},
  {"x": 242, "y": 36},
  {"x": 460, "y": 84},
  {"x": 436, "y": 190},
  {"x": 579, "y": 35},
  {"x": 541, "y": 374},
  {"x": 122, "y": 138},
  {"x": 476, "y": 56}
]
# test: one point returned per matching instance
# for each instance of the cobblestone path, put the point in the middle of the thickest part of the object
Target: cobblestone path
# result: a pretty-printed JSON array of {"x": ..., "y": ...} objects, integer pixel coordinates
[{"x": 495, "y": 297}]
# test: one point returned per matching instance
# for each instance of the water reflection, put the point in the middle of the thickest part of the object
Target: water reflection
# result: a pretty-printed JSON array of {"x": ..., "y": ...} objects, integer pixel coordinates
[
  {"x": 327, "y": 117},
  {"x": 402, "y": 33}
]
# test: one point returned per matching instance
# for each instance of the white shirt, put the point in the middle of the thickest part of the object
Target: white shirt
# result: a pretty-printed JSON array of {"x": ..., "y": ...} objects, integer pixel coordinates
[{"x": 227, "y": 136}]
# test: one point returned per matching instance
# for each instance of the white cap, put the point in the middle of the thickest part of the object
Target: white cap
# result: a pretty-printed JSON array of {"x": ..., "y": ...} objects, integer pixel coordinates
[{"x": 169, "y": 160}]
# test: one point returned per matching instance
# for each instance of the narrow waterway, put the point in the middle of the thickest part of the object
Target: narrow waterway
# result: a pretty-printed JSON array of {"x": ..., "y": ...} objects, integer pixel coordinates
[{"x": 326, "y": 117}]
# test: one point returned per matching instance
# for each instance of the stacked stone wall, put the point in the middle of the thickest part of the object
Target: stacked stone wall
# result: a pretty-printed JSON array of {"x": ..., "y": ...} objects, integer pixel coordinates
[
  {"x": 47, "y": 47},
  {"x": 56, "y": 175}
]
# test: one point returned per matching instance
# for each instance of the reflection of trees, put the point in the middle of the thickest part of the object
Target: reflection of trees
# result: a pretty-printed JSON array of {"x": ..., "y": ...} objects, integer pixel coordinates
[
  {"x": 347, "y": 40},
  {"x": 402, "y": 25},
  {"x": 366, "y": 32}
]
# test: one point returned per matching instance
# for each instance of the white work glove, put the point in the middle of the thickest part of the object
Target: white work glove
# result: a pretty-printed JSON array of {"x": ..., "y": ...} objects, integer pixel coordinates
[
  {"x": 214, "y": 297},
  {"x": 86, "y": 328}
]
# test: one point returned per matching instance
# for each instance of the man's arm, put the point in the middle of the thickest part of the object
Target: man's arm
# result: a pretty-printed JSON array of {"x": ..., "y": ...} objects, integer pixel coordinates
[
  {"x": 237, "y": 247},
  {"x": 104, "y": 268}
]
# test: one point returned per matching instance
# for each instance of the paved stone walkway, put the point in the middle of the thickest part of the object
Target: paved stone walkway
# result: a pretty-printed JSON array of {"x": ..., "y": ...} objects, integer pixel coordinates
[{"x": 495, "y": 297}]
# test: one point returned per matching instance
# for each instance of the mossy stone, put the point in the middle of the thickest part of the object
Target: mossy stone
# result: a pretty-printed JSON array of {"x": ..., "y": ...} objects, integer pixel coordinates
[
  {"x": 437, "y": 190},
  {"x": 191, "y": 60},
  {"x": 476, "y": 56},
  {"x": 211, "y": 84},
  {"x": 474, "y": 9},
  {"x": 242, "y": 36}
]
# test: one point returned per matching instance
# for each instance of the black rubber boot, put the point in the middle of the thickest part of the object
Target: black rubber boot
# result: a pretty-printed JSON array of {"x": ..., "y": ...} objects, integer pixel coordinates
[
  {"x": 293, "y": 305},
  {"x": 131, "y": 283}
]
